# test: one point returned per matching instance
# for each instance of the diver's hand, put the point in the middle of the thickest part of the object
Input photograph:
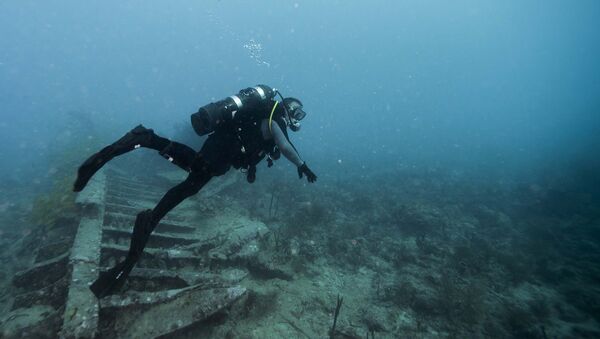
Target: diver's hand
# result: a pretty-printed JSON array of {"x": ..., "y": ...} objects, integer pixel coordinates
[{"x": 303, "y": 169}]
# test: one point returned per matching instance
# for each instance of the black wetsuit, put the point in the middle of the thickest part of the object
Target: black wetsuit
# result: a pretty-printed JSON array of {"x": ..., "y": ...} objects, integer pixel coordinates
[{"x": 239, "y": 143}]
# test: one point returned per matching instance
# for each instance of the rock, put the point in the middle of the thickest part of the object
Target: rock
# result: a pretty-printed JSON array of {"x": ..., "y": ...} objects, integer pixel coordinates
[{"x": 136, "y": 314}]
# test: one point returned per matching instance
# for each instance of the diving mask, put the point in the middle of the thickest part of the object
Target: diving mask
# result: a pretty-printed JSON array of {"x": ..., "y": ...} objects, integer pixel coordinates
[{"x": 295, "y": 113}]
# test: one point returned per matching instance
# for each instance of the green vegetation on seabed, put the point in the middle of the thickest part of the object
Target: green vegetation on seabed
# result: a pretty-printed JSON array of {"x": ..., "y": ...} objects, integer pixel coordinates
[
  {"x": 436, "y": 255},
  {"x": 58, "y": 201},
  {"x": 80, "y": 138}
]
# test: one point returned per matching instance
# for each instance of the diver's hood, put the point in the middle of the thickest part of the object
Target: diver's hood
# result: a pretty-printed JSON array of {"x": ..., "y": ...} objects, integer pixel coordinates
[{"x": 294, "y": 112}]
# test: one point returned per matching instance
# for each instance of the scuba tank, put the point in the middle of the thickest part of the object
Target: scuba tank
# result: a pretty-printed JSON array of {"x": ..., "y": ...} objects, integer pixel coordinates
[{"x": 209, "y": 117}]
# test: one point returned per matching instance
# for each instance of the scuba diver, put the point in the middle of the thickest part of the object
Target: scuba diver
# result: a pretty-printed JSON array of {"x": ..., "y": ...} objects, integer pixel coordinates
[{"x": 242, "y": 129}]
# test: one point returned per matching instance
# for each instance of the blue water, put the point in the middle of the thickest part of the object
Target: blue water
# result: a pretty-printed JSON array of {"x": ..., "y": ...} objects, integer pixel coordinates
[
  {"x": 465, "y": 84},
  {"x": 498, "y": 91}
]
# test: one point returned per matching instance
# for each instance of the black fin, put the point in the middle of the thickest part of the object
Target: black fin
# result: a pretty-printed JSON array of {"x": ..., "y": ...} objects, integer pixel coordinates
[
  {"x": 140, "y": 135},
  {"x": 90, "y": 167},
  {"x": 112, "y": 280}
]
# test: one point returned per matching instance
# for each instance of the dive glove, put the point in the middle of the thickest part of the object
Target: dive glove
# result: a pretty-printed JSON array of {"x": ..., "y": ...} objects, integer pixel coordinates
[{"x": 303, "y": 169}]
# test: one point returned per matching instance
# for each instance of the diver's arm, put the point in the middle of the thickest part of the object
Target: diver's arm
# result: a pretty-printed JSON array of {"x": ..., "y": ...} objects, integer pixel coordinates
[
  {"x": 284, "y": 146},
  {"x": 287, "y": 149}
]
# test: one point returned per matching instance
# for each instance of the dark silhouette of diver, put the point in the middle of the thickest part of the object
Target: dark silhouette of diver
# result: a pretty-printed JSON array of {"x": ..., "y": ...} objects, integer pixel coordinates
[{"x": 244, "y": 129}]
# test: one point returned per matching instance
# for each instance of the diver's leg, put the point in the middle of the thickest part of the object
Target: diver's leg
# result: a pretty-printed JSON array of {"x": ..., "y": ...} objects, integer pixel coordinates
[
  {"x": 110, "y": 281},
  {"x": 147, "y": 220},
  {"x": 113, "y": 279},
  {"x": 137, "y": 137},
  {"x": 140, "y": 136},
  {"x": 179, "y": 154}
]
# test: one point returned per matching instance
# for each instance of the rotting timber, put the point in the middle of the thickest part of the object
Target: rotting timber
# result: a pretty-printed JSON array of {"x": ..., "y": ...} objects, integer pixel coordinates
[{"x": 188, "y": 273}]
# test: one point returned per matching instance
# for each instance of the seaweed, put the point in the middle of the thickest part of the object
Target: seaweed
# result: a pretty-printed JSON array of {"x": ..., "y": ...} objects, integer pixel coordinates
[{"x": 338, "y": 306}]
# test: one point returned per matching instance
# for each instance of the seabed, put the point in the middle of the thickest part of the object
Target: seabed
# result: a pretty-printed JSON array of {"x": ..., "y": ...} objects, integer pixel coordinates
[{"x": 425, "y": 258}]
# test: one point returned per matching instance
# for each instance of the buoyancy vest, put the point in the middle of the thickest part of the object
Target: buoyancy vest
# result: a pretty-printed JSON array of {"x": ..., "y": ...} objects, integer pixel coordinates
[{"x": 250, "y": 145}]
